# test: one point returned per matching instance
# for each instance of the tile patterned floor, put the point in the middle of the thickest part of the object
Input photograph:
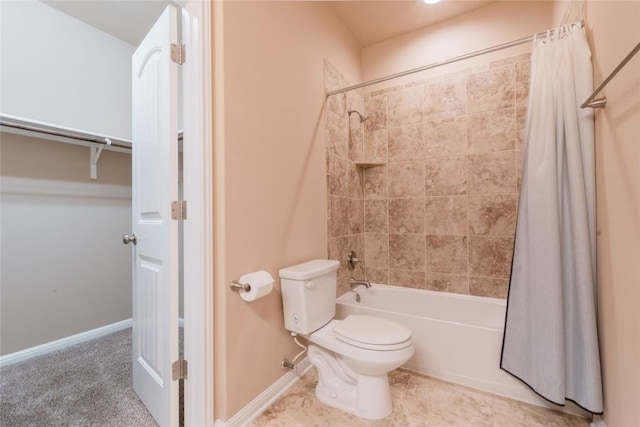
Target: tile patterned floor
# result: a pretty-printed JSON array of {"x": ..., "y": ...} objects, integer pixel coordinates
[{"x": 418, "y": 400}]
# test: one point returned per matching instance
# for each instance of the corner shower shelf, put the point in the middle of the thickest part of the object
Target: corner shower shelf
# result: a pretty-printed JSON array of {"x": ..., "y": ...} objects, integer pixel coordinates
[{"x": 365, "y": 165}]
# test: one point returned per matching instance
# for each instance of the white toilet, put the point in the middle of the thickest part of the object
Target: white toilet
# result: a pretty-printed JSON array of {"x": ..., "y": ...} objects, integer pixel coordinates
[{"x": 354, "y": 355}]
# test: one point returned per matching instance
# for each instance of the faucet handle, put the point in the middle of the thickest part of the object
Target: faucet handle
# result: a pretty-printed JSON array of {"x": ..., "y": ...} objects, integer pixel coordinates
[{"x": 352, "y": 260}]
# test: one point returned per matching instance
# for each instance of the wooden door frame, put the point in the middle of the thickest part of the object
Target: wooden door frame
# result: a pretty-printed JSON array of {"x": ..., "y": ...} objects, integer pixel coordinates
[{"x": 198, "y": 227}]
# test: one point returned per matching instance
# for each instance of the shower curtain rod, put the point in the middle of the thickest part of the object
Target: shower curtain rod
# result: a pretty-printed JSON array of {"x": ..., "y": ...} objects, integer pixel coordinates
[{"x": 441, "y": 63}]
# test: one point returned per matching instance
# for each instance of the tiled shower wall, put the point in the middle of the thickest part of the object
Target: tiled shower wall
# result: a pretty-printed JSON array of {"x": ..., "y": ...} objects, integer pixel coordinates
[
  {"x": 344, "y": 140},
  {"x": 425, "y": 191}
]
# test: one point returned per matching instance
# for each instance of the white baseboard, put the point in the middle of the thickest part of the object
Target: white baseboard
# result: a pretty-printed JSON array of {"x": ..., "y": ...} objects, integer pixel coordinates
[
  {"x": 597, "y": 421},
  {"x": 258, "y": 405},
  {"x": 56, "y": 345}
]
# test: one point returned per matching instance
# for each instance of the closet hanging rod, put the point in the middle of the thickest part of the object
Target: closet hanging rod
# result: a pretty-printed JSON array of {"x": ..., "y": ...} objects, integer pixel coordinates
[
  {"x": 602, "y": 102},
  {"x": 441, "y": 63},
  {"x": 19, "y": 125}
]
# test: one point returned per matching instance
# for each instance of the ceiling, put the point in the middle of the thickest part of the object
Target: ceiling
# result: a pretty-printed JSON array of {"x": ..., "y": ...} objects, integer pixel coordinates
[
  {"x": 128, "y": 20},
  {"x": 370, "y": 22}
]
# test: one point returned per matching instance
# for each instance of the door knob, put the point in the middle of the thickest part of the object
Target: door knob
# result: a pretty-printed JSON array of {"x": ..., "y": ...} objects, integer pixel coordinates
[{"x": 133, "y": 238}]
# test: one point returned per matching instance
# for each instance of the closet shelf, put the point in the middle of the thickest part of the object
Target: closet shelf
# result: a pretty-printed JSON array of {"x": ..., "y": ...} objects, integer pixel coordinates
[
  {"x": 36, "y": 129},
  {"x": 367, "y": 165},
  {"x": 42, "y": 130}
]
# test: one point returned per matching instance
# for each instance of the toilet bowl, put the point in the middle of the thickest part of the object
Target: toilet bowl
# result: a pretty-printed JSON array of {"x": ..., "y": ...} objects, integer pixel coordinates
[
  {"x": 353, "y": 356},
  {"x": 353, "y": 375}
]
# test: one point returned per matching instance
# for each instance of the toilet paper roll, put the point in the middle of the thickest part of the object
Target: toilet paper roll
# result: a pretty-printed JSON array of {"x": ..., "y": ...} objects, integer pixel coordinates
[{"x": 261, "y": 284}]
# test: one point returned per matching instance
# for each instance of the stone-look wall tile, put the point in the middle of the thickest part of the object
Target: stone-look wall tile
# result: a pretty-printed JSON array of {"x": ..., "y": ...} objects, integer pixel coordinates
[
  {"x": 376, "y": 110},
  {"x": 333, "y": 80},
  {"x": 406, "y": 179},
  {"x": 356, "y": 241},
  {"x": 523, "y": 75},
  {"x": 338, "y": 248},
  {"x": 470, "y": 151},
  {"x": 405, "y": 143},
  {"x": 337, "y": 104},
  {"x": 512, "y": 60},
  {"x": 375, "y": 275},
  {"x": 457, "y": 284},
  {"x": 343, "y": 286},
  {"x": 490, "y": 256},
  {"x": 491, "y": 89},
  {"x": 356, "y": 244},
  {"x": 331, "y": 76},
  {"x": 446, "y": 137},
  {"x": 405, "y": 108},
  {"x": 446, "y": 254},
  {"x": 519, "y": 165},
  {"x": 339, "y": 216},
  {"x": 521, "y": 117},
  {"x": 337, "y": 169},
  {"x": 444, "y": 99},
  {"x": 379, "y": 92},
  {"x": 446, "y": 215},
  {"x": 491, "y": 131},
  {"x": 337, "y": 134},
  {"x": 356, "y": 216},
  {"x": 355, "y": 181},
  {"x": 406, "y": 278},
  {"x": 406, "y": 216},
  {"x": 375, "y": 146},
  {"x": 492, "y": 173},
  {"x": 376, "y": 251},
  {"x": 356, "y": 139},
  {"x": 355, "y": 100},
  {"x": 446, "y": 176},
  {"x": 376, "y": 216},
  {"x": 492, "y": 215},
  {"x": 406, "y": 252},
  {"x": 375, "y": 183},
  {"x": 487, "y": 287}
]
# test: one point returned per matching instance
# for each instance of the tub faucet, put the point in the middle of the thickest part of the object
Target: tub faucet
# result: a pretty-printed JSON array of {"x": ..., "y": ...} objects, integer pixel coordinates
[{"x": 353, "y": 283}]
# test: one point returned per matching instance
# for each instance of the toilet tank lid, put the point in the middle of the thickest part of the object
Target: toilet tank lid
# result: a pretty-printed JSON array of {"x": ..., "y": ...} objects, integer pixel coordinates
[{"x": 310, "y": 269}]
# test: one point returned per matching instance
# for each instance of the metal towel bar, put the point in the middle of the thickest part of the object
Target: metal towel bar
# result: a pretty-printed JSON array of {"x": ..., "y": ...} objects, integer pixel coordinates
[{"x": 602, "y": 102}]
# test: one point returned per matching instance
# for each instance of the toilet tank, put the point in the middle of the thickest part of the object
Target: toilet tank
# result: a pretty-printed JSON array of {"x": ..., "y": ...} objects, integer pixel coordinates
[{"x": 309, "y": 294}]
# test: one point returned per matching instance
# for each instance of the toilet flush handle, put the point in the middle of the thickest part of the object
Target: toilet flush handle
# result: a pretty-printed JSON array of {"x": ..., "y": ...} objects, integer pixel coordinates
[{"x": 309, "y": 284}]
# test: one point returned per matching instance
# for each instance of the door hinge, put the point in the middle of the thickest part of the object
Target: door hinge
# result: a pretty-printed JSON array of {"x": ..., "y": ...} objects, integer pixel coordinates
[
  {"x": 179, "y": 370},
  {"x": 178, "y": 52},
  {"x": 179, "y": 209}
]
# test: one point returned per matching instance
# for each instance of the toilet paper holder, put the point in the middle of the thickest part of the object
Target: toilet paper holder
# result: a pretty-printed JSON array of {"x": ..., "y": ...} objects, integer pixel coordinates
[{"x": 237, "y": 286}]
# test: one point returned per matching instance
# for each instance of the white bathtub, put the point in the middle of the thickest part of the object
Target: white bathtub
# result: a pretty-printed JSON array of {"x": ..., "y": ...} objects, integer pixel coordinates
[{"x": 458, "y": 338}]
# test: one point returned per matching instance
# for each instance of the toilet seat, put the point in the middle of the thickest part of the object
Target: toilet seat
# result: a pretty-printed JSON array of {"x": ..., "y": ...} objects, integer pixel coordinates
[{"x": 372, "y": 333}]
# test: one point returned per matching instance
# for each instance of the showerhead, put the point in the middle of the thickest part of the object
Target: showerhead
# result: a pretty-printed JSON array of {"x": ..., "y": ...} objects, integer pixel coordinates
[{"x": 362, "y": 116}]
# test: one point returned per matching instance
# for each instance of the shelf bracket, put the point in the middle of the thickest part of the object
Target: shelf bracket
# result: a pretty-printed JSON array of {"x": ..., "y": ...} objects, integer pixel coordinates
[{"x": 94, "y": 156}]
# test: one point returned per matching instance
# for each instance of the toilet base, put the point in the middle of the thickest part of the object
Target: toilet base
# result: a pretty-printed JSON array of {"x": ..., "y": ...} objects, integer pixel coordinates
[{"x": 366, "y": 396}]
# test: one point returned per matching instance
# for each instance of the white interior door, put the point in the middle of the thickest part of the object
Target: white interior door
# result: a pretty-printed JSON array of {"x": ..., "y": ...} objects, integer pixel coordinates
[{"x": 155, "y": 186}]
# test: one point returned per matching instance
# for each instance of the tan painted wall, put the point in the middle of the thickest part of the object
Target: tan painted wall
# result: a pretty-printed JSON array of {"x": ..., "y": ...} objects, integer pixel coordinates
[
  {"x": 614, "y": 31},
  {"x": 497, "y": 23},
  {"x": 270, "y": 187}
]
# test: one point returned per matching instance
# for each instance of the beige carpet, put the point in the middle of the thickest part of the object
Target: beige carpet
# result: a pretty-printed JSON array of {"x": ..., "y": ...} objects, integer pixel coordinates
[{"x": 88, "y": 384}]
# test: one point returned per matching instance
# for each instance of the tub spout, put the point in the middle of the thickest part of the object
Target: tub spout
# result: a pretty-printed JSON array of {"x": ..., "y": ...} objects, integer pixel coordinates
[{"x": 353, "y": 283}]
